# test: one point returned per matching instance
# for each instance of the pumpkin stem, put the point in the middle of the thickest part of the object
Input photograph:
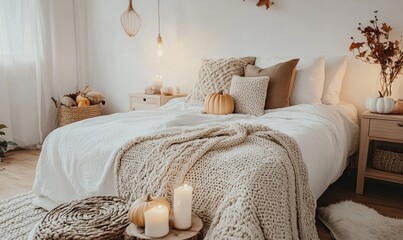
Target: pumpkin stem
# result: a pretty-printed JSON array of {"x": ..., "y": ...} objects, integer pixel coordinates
[
  {"x": 380, "y": 94},
  {"x": 221, "y": 92},
  {"x": 149, "y": 199}
]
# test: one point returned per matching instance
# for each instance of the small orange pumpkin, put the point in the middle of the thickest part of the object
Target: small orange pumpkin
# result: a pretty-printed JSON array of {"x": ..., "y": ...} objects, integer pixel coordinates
[
  {"x": 398, "y": 109},
  {"x": 79, "y": 98},
  {"x": 85, "y": 102},
  {"x": 219, "y": 103},
  {"x": 142, "y": 205}
]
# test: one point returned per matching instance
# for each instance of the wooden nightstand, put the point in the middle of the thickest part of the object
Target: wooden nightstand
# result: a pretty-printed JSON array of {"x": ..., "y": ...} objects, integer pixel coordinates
[
  {"x": 140, "y": 101},
  {"x": 378, "y": 127}
]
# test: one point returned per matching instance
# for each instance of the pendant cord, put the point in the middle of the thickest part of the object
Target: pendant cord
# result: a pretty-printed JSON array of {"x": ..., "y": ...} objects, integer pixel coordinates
[{"x": 159, "y": 21}]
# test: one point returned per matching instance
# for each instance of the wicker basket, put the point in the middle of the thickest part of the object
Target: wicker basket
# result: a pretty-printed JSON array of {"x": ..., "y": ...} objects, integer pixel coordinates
[
  {"x": 91, "y": 218},
  {"x": 388, "y": 159},
  {"x": 67, "y": 115}
]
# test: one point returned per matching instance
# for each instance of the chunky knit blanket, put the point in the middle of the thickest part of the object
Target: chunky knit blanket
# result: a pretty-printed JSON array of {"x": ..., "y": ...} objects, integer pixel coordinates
[{"x": 249, "y": 181}]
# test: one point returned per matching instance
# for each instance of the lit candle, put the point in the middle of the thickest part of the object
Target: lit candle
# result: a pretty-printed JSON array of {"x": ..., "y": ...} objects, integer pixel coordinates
[
  {"x": 157, "y": 84},
  {"x": 158, "y": 81},
  {"x": 183, "y": 207},
  {"x": 156, "y": 222}
]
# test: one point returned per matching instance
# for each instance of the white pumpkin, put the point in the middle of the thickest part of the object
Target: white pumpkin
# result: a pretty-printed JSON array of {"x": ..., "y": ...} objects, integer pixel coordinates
[
  {"x": 68, "y": 101},
  {"x": 380, "y": 104},
  {"x": 167, "y": 91},
  {"x": 95, "y": 97}
]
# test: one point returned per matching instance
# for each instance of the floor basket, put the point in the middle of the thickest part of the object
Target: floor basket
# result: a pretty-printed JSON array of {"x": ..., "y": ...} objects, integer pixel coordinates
[
  {"x": 67, "y": 115},
  {"x": 98, "y": 218},
  {"x": 388, "y": 159}
]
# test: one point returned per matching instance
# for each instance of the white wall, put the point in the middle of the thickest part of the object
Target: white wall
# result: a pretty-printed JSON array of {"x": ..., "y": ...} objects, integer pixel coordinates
[
  {"x": 119, "y": 65},
  {"x": 211, "y": 29}
]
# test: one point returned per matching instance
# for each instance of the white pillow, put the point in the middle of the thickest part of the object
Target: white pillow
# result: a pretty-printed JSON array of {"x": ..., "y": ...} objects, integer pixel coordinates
[
  {"x": 335, "y": 71},
  {"x": 309, "y": 78}
]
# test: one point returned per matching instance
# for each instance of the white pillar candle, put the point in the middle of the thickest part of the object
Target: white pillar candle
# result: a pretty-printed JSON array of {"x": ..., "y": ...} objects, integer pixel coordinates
[
  {"x": 158, "y": 82},
  {"x": 183, "y": 207},
  {"x": 156, "y": 222}
]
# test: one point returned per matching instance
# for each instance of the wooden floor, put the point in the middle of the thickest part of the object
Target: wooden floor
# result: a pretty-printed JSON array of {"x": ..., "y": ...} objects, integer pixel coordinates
[
  {"x": 17, "y": 172},
  {"x": 18, "y": 169}
]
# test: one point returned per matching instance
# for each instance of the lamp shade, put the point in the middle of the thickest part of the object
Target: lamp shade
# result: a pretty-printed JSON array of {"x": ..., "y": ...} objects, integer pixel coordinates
[{"x": 131, "y": 21}]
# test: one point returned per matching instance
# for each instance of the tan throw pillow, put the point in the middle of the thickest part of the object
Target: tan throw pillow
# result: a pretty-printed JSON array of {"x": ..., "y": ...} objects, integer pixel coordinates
[
  {"x": 215, "y": 75},
  {"x": 249, "y": 94},
  {"x": 281, "y": 82}
]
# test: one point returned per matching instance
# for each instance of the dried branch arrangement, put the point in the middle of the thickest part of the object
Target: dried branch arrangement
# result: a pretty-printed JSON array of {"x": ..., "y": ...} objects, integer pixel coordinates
[{"x": 379, "y": 49}]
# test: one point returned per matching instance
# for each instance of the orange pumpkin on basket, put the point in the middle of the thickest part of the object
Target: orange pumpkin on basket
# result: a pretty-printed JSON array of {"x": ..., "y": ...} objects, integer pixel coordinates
[
  {"x": 219, "y": 103},
  {"x": 85, "y": 102},
  {"x": 79, "y": 98}
]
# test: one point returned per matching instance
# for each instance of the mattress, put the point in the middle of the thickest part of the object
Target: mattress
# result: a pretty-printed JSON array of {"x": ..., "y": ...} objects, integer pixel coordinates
[{"x": 77, "y": 160}]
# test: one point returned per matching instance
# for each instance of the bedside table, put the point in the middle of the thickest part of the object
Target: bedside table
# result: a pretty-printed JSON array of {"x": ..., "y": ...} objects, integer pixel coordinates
[
  {"x": 140, "y": 101},
  {"x": 378, "y": 127}
]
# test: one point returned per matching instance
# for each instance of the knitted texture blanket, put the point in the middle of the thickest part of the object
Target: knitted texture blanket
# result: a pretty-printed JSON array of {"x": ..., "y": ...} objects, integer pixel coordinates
[{"x": 249, "y": 181}]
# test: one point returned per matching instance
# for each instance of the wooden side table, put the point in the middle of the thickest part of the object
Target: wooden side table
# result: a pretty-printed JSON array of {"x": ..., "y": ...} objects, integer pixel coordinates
[
  {"x": 137, "y": 233},
  {"x": 141, "y": 101},
  {"x": 378, "y": 127}
]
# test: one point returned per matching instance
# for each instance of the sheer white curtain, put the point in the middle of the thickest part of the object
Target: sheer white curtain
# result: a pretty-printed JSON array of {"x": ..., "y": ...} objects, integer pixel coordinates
[{"x": 37, "y": 61}]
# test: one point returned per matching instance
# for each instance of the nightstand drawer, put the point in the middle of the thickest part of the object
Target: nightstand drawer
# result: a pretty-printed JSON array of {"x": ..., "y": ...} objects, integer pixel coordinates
[
  {"x": 140, "y": 106},
  {"x": 146, "y": 100},
  {"x": 388, "y": 129},
  {"x": 141, "y": 101}
]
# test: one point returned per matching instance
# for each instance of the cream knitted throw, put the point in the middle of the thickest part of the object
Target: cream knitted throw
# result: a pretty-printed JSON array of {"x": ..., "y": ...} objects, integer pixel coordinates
[{"x": 249, "y": 181}]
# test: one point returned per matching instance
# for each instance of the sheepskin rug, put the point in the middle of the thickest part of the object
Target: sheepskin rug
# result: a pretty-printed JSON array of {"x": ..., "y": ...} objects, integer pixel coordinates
[{"x": 349, "y": 220}]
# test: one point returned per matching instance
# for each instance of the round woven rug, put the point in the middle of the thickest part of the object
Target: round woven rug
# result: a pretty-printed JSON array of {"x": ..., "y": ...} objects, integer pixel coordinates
[
  {"x": 18, "y": 216},
  {"x": 90, "y": 218}
]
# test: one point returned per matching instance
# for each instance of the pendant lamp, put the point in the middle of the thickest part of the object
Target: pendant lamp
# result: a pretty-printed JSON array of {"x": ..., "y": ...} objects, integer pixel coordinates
[
  {"x": 131, "y": 21},
  {"x": 160, "y": 52}
]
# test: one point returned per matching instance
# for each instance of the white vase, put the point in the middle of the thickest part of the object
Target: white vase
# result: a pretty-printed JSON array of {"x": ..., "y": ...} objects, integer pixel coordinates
[{"x": 380, "y": 104}]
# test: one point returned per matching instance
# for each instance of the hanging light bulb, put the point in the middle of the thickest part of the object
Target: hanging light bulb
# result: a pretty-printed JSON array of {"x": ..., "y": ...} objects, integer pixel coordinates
[
  {"x": 160, "y": 52},
  {"x": 131, "y": 21}
]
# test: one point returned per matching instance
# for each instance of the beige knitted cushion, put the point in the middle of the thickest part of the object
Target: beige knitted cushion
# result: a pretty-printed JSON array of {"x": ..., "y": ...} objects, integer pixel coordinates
[
  {"x": 249, "y": 94},
  {"x": 216, "y": 75}
]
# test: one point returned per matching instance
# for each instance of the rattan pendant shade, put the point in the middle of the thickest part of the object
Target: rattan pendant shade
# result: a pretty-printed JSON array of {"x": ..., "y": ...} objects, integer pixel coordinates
[{"x": 131, "y": 21}]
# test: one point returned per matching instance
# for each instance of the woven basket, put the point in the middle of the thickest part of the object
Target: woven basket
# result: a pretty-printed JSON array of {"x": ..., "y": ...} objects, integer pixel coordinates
[
  {"x": 388, "y": 159},
  {"x": 67, "y": 115}
]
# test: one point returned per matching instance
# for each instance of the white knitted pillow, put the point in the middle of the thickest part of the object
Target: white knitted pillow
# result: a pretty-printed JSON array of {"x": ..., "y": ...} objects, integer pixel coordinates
[
  {"x": 249, "y": 94},
  {"x": 215, "y": 75}
]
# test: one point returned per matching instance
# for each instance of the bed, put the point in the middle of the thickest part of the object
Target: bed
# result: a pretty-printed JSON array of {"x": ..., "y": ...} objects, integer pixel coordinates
[{"x": 78, "y": 160}]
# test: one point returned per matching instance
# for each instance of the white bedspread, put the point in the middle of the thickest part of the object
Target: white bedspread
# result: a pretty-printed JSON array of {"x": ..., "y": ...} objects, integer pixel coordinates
[{"x": 77, "y": 161}]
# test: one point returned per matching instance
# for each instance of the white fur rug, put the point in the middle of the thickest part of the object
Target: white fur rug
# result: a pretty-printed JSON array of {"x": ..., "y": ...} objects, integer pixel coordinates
[{"x": 349, "y": 220}]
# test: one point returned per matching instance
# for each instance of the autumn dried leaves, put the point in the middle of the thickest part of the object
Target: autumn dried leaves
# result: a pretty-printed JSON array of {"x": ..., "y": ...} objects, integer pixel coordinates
[
  {"x": 266, "y": 3},
  {"x": 378, "y": 49}
]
